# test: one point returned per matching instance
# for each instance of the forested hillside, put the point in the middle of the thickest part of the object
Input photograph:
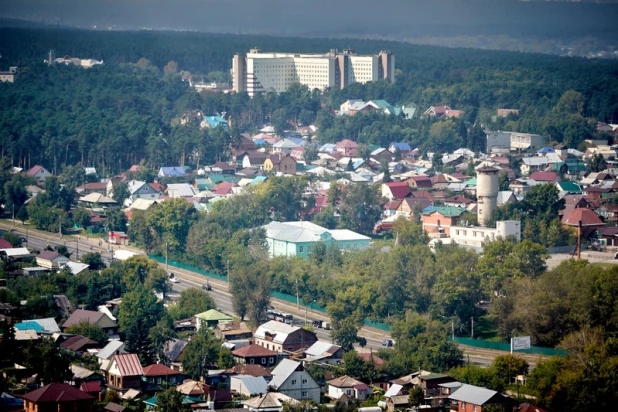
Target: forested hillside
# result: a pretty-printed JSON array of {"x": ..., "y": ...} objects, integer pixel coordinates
[{"x": 121, "y": 112}]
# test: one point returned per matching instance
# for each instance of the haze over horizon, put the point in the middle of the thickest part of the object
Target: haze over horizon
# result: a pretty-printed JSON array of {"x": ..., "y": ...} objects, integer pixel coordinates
[{"x": 404, "y": 20}]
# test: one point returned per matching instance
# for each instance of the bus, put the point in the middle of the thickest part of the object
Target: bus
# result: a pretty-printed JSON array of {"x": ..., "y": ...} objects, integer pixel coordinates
[
  {"x": 287, "y": 318},
  {"x": 273, "y": 314}
]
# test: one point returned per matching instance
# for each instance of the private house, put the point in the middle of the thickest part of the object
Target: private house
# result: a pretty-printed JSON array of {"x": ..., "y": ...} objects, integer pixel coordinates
[
  {"x": 284, "y": 146},
  {"x": 419, "y": 182},
  {"x": 280, "y": 163},
  {"x": 58, "y": 397},
  {"x": 175, "y": 190},
  {"x": 251, "y": 370},
  {"x": 291, "y": 379},
  {"x": 79, "y": 343},
  {"x": 507, "y": 112},
  {"x": 268, "y": 402},
  {"x": 255, "y": 354},
  {"x": 211, "y": 318},
  {"x": 248, "y": 386},
  {"x": 91, "y": 388},
  {"x": 324, "y": 352},
  {"x": 395, "y": 190},
  {"x": 51, "y": 260},
  {"x": 124, "y": 372},
  {"x": 409, "y": 204},
  {"x": 401, "y": 148},
  {"x": 173, "y": 350},
  {"x": 296, "y": 238},
  {"x": 141, "y": 190},
  {"x": 253, "y": 160},
  {"x": 232, "y": 331},
  {"x": 96, "y": 199},
  {"x": 348, "y": 386},
  {"x": 458, "y": 201},
  {"x": 545, "y": 177},
  {"x": 347, "y": 147},
  {"x": 437, "y": 222},
  {"x": 470, "y": 398},
  {"x": 533, "y": 164},
  {"x": 39, "y": 173},
  {"x": 96, "y": 318},
  {"x": 442, "y": 111},
  {"x": 430, "y": 383},
  {"x": 9, "y": 76},
  {"x": 158, "y": 376},
  {"x": 83, "y": 375},
  {"x": 114, "y": 347},
  {"x": 280, "y": 337},
  {"x": 96, "y": 187},
  {"x": 212, "y": 122},
  {"x": 397, "y": 403},
  {"x": 117, "y": 238},
  {"x": 175, "y": 171}
]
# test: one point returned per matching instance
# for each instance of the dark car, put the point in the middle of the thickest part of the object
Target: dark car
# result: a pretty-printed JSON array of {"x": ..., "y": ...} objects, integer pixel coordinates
[
  {"x": 317, "y": 323},
  {"x": 387, "y": 342},
  {"x": 207, "y": 287}
]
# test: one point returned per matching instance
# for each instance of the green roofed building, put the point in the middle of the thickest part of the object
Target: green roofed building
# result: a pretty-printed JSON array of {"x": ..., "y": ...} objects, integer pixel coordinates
[
  {"x": 571, "y": 168},
  {"x": 212, "y": 318},
  {"x": 569, "y": 187}
]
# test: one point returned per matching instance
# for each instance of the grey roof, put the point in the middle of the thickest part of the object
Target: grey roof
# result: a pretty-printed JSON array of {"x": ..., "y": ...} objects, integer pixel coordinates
[
  {"x": 473, "y": 394},
  {"x": 319, "y": 348},
  {"x": 180, "y": 190},
  {"x": 48, "y": 324},
  {"x": 173, "y": 348},
  {"x": 113, "y": 347},
  {"x": 393, "y": 390},
  {"x": 535, "y": 161},
  {"x": 269, "y": 400},
  {"x": 253, "y": 384},
  {"x": 281, "y": 330},
  {"x": 282, "y": 372},
  {"x": 286, "y": 144}
]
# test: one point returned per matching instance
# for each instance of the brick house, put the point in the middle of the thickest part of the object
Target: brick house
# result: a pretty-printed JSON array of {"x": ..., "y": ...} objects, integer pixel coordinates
[
  {"x": 255, "y": 354},
  {"x": 57, "y": 397},
  {"x": 124, "y": 372}
]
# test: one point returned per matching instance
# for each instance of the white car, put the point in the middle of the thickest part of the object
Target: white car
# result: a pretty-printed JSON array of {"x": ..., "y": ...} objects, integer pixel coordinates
[{"x": 174, "y": 280}]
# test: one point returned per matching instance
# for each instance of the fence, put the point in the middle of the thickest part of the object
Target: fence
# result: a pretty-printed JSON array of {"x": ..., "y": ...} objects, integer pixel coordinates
[
  {"x": 184, "y": 266},
  {"x": 506, "y": 347}
]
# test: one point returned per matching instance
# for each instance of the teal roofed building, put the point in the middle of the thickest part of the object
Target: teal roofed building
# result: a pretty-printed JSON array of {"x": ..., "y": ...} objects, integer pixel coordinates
[
  {"x": 297, "y": 238},
  {"x": 212, "y": 318},
  {"x": 213, "y": 122},
  {"x": 571, "y": 168},
  {"x": 568, "y": 187}
]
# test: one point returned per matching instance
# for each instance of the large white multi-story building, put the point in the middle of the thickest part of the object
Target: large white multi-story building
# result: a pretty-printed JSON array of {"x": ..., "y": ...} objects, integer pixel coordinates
[{"x": 258, "y": 72}]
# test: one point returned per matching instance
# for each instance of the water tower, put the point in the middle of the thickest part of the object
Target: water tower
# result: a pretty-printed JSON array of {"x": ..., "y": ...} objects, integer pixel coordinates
[{"x": 487, "y": 188}]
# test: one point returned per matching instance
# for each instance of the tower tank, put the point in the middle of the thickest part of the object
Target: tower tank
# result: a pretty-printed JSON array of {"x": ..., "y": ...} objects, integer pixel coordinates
[{"x": 487, "y": 189}]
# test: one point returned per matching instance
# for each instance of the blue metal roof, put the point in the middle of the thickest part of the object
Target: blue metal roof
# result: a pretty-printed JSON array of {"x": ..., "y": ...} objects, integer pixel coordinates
[
  {"x": 401, "y": 146},
  {"x": 172, "y": 171},
  {"x": 29, "y": 325},
  {"x": 215, "y": 121}
]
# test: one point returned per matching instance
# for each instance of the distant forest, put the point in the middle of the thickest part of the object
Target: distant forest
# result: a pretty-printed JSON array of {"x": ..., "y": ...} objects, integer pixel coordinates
[{"x": 123, "y": 112}]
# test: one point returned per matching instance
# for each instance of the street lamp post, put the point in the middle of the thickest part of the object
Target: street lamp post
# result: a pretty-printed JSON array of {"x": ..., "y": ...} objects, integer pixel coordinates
[
  {"x": 307, "y": 307},
  {"x": 228, "y": 273},
  {"x": 165, "y": 255}
]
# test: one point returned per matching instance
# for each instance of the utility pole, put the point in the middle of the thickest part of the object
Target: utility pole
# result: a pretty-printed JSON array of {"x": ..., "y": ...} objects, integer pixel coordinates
[
  {"x": 228, "y": 274},
  {"x": 453, "y": 328},
  {"x": 165, "y": 255},
  {"x": 77, "y": 249},
  {"x": 297, "y": 298},
  {"x": 472, "y": 320}
]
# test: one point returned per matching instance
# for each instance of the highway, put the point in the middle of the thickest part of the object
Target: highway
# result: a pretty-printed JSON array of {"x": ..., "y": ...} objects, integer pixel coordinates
[{"x": 78, "y": 245}]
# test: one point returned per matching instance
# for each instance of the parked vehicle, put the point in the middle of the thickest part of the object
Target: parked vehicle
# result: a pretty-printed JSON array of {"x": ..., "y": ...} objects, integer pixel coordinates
[
  {"x": 174, "y": 280},
  {"x": 388, "y": 342},
  {"x": 326, "y": 325}
]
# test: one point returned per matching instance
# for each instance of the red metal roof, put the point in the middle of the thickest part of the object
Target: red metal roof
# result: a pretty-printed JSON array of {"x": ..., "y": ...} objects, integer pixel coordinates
[
  {"x": 586, "y": 216},
  {"x": 253, "y": 350},
  {"x": 251, "y": 370},
  {"x": 367, "y": 356},
  {"x": 57, "y": 393},
  {"x": 399, "y": 189},
  {"x": 90, "y": 387},
  {"x": 81, "y": 315},
  {"x": 77, "y": 343},
  {"x": 158, "y": 369},
  {"x": 128, "y": 364},
  {"x": 543, "y": 176},
  {"x": 34, "y": 170}
]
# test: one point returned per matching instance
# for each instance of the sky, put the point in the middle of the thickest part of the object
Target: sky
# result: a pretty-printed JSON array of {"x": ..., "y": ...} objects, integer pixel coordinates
[{"x": 358, "y": 18}]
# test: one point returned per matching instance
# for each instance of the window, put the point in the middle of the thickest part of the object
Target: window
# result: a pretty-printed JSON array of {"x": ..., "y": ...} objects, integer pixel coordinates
[
  {"x": 158, "y": 381},
  {"x": 301, "y": 249},
  {"x": 172, "y": 380},
  {"x": 271, "y": 360},
  {"x": 306, "y": 395},
  {"x": 305, "y": 381},
  {"x": 263, "y": 361},
  {"x": 293, "y": 381},
  {"x": 251, "y": 361}
]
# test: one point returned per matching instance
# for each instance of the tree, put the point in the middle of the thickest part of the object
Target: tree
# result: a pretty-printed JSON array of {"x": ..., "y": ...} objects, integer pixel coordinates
[
  {"x": 226, "y": 359},
  {"x": 89, "y": 330},
  {"x": 138, "y": 341},
  {"x": 200, "y": 354},
  {"x": 311, "y": 153},
  {"x": 170, "y": 400},
  {"x": 63, "y": 250},
  {"x": 160, "y": 334},
  {"x": 143, "y": 63},
  {"x": 12, "y": 238},
  {"x": 121, "y": 193},
  {"x": 94, "y": 260},
  {"x": 170, "y": 68},
  {"x": 416, "y": 396},
  {"x": 597, "y": 163},
  {"x": 384, "y": 169},
  {"x": 116, "y": 219},
  {"x": 139, "y": 306},
  {"x": 191, "y": 302},
  {"x": 507, "y": 368},
  {"x": 51, "y": 364},
  {"x": 22, "y": 214},
  {"x": 81, "y": 217},
  {"x": 361, "y": 207},
  {"x": 171, "y": 222},
  {"x": 250, "y": 287}
]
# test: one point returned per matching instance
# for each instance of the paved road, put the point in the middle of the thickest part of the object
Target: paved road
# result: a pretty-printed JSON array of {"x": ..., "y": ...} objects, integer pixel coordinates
[{"x": 80, "y": 245}]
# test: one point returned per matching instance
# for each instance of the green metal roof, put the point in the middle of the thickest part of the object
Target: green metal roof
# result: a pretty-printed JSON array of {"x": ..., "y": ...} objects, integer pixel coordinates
[
  {"x": 568, "y": 186},
  {"x": 447, "y": 211},
  {"x": 471, "y": 182},
  {"x": 433, "y": 376},
  {"x": 213, "y": 314}
]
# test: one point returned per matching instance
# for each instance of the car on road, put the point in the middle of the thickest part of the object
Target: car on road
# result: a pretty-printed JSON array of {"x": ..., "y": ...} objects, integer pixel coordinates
[
  {"x": 388, "y": 342},
  {"x": 207, "y": 287},
  {"x": 317, "y": 323},
  {"x": 174, "y": 280}
]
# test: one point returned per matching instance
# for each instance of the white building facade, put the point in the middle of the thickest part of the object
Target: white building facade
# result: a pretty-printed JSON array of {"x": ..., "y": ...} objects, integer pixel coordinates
[{"x": 258, "y": 72}]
